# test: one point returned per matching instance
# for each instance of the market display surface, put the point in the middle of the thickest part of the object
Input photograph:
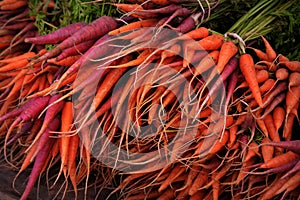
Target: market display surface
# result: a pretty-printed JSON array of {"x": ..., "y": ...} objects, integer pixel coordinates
[{"x": 149, "y": 100}]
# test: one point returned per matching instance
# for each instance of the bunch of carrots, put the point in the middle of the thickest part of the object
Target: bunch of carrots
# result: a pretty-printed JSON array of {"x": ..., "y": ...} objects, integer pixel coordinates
[{"x": 220, "y": 116}]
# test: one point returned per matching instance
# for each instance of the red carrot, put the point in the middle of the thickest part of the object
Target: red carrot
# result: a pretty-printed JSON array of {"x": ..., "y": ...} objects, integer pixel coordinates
[{"x": 57, "y": 36}]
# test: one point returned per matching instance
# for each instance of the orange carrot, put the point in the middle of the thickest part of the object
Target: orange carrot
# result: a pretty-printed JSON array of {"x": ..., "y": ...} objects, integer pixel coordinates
[
  {"x": 26, "y": 55},
  {"x": 293, "y": 181},
  {"x": 271, "y": 54},
  {"x": 227, "y": 51},
  {"x": 199, "y": 181},
  {"x": 266, "y": 151},
  {"x": 294, "y": 79},
  {"x": 278, "y": 116},
  {"x": 207, "y": 62},
  {"x": 292, "y": 65},
  {"x": 197, "y": 33},
  {"x": 212, "y": 42},
  {"x": 282, "y": 74},
  {"x": 292, "y": 97},
  {"x": 280, "y": 160},
  {"x": 134, "y": 25},
  {"x": 288, "y": 127},
  {"x": 260, "y": 54},
  {"x": 247, "y": 68},
  {"x": 14, "y": 65},
  {"x": 68, "y": 61},
  {"x": 176, "y": 171},
  {"x": 72, "y": 153},
  {"x": 253, "y": 150},
  {"x": 14, "y": 6},
  {"x": 273, "y": 134}
]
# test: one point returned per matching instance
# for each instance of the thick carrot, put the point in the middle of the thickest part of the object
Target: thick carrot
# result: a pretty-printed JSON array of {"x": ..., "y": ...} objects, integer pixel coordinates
[
  {"x": 266, "y": 151},
  {"x": 94, "y": 30},
  {"x": 270, "y": 52},
  {"x": 260, "y": 54},
  {"x": 207, "y": 62},
  {"x": 282, "y": 74},
  {"x": 72, "y": 153},
  {"x": 280, "y": 160},
  {"x": 253, "y": 150},
  {"x": 37, "y": 167},
  {"x": 197, "y": 33},
  {"x": 80, "y": 48},
  {"x": 227, "y": 51},
  {"x": 293, "y": 181},
  {"x": 57, "y": 36},
  {"x": 14, "y": 65},
  {"x": 14, "y": 6},
  {"x": 211, "y": 42},
  {"x": 294, "y": 79},
  {"x": 247, "y": 69},
  {"x": 294, "y": 66}
]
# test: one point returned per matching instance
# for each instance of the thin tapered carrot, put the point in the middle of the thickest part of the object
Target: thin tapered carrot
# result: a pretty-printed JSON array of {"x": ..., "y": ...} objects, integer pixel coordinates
[
  {"x": 261, "y": 76},
  {"x": 207, "y": 62},
  {"x": 247, "y": 69},
  {"x": 260, "y": 54},
  {"x": 219, "y": 144},
  {"x": 66, "y": 124},
  {"x": 270, "y": 52},
  {"x": 199, "y": 181},
  {"x": 253, "y": 150},
  {"x": 211, "y": 42},
  {"x": 215, "y": 188},
  {"x": 278, "y": 116},
  {"x": 292, "y": 98},
  {"x": 72, "y": 153},
  {"x": 128, "y": 7},
  {"x": 266, "y": 151},
  {"x": 134, "y": 25},
  {"x": 280, "y": 160},
  {"x": 288, "y": 127}
]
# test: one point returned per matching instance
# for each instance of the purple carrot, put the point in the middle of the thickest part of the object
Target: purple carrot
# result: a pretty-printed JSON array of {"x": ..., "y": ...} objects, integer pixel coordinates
[
  {"x": 21, "y": 14},
  {"x": 12, "y": 113},
  {"x": 282, "y": 168},
  {"x": 188, "y": 24},
  {"x": 180, "y": 12},
  {"x": 93, "y": 52},
  {"x": 281, "y": 87},
  {"x": 46, "y": 135},
  {"x": 94, "y": 30},
  {"x": 80, "y": 48},
  {"x": 7, "y": 32},
  {"x": 57, "y": 36},
  {"x": 228, "y": 70},
  {"x": 25, "y": 128},
  {"x": 280, "y": 98},
  {"x": 16, "y": 26},
  {"x": 293, "y": 145},
  {"x": 296, "y": 168},
  {"x": 51, "y": 113},
  {"x": 39, "y": 163}
]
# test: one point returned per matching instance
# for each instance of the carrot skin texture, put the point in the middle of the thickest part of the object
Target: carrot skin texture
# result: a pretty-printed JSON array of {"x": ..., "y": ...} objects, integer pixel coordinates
[
  {"x": 58, "y": 35},
  {"x": 247, "y": 68},
  {"x": 37, "y": 167}
]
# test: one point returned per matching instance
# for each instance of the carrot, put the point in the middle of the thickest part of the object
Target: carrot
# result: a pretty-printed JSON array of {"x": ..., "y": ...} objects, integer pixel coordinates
[
  {"x": 247, "y": 69},
  {"x": 211, "y": 42},
  {"x": 14, "y": 6},
  {"x": 280, "y": 160},
  {"x": 273, "y": 134},
  {"x": 14, "y": 65},
  {"x": 37, "y": 167},
  {"x": 50, "y": 114},
  {"x": 227, "y": 51},
  {"x": 67, "y": 120},
  {"x": 94, "y": 30},
  {"x": 260, "y": 54},
  {"x": 253, "y": 150},
  {"x": 207, "y": 62},
  {"x": 266, "y": 151},
  {"x": 282, "y": 74},
  {"x": 294, "y": 66},
  {"x": 199, "y": 181},
  {"x": 134, "y": 25},
  {"x": 293, "y": 181},
  {"x": 161, "y": 2},
  {"x": 75, "y": 50},
  {"x": 288, "y": 145},
  {"x": 176, "y": 171},
  {"x": 276, "y": 185},
  {"x": 58, "y": 35},
  {"x": 288, "y": 127},
  {"x": 292, "y": 98},
  {"x": 188, "y": 23},
  {"x": 278, "y": 116},
  {"x": 270, "y": 52},
  {"x": 281, "y": 87},
  {"x": 219, "y": 144},
  {"x": 128, "y": 7},
  {"x": 72, "y": 153},
  {"x": 280, "y": 98},
  {"x": 26, "y": 55},
  {"x": 67, "y": 61},
  {"x": 197, "y": 33},
  {"x": 294, "y": 79}
]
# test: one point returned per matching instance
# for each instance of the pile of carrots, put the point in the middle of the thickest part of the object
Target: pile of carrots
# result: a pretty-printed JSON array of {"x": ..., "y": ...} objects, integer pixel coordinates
[{"x": 153, "y": 104}]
